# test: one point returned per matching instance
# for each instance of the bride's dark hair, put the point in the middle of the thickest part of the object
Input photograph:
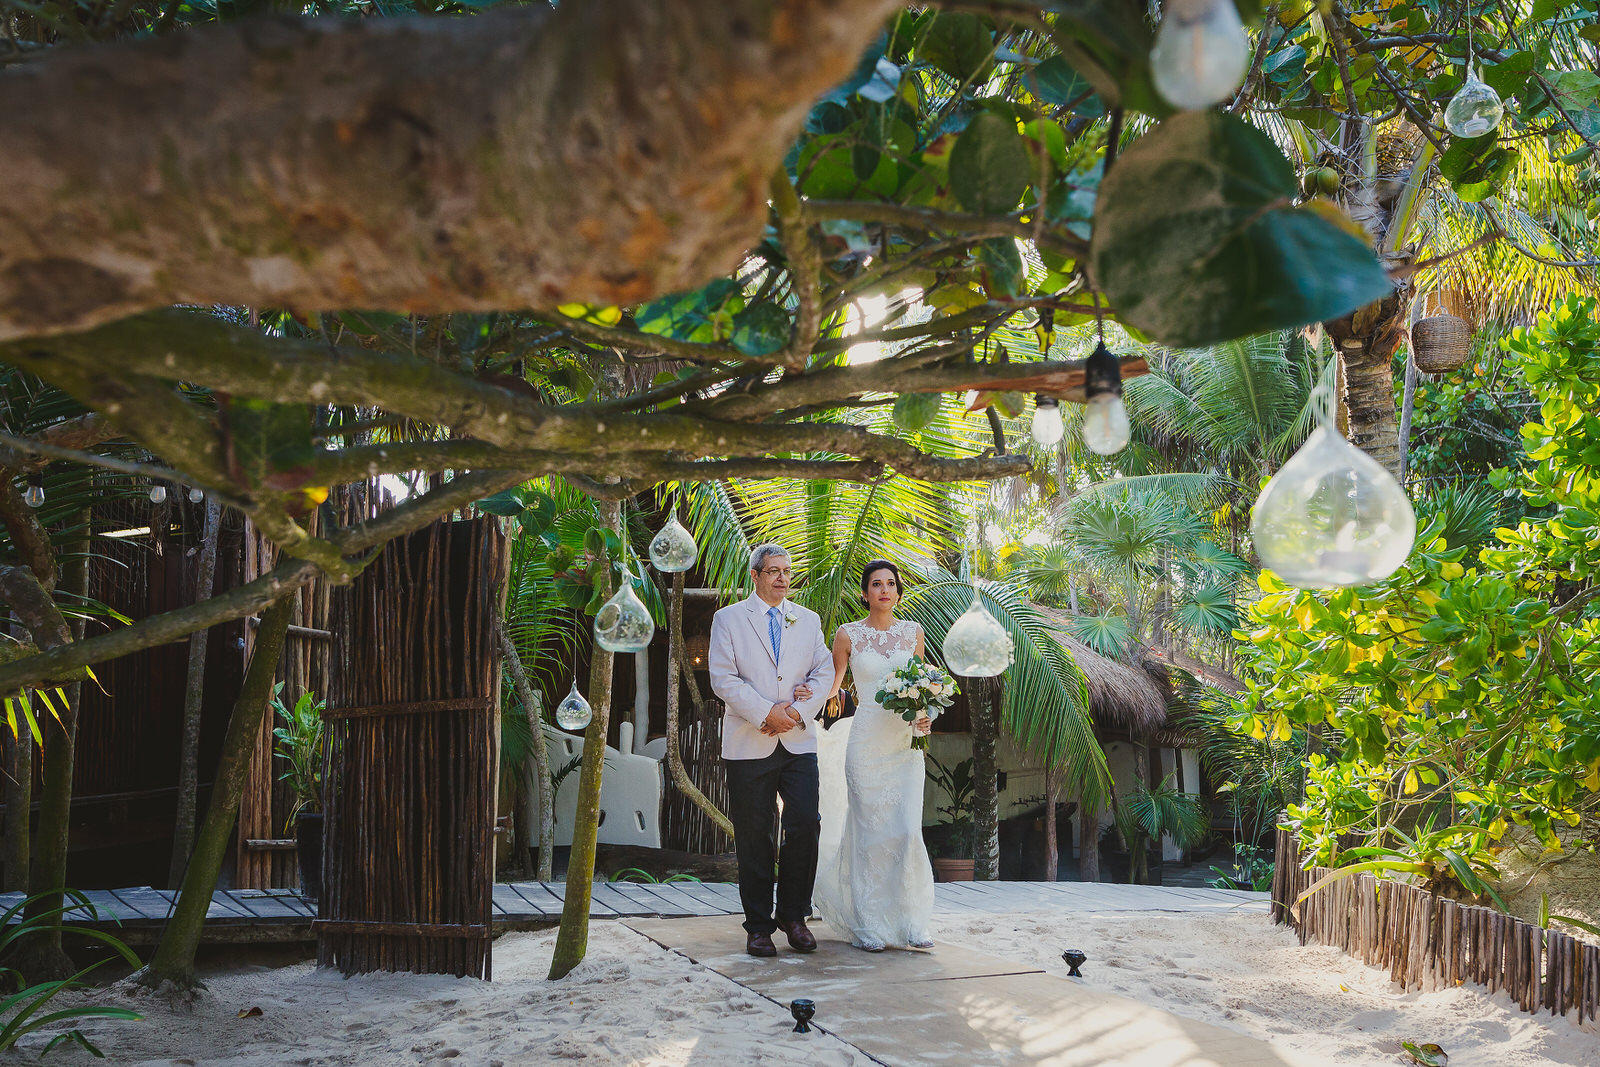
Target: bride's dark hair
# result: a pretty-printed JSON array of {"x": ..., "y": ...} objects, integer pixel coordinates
[{"x": 881, "y": 565}]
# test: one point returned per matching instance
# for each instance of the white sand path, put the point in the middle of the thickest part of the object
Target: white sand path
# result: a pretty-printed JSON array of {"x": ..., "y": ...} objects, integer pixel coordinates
[{"x": 634, "y": 1002}]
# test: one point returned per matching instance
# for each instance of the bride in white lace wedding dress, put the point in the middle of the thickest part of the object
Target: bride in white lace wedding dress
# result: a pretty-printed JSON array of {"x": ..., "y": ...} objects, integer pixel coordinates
[{"x": 874, "y": 881}]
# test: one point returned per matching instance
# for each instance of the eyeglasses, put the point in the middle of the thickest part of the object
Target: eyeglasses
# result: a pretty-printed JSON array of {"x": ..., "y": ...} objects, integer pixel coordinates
[{"x": 779, "y": 572}]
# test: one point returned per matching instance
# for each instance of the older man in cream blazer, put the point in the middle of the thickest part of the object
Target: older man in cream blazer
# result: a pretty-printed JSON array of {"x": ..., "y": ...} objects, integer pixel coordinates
[{"x": 772, "y": 669}]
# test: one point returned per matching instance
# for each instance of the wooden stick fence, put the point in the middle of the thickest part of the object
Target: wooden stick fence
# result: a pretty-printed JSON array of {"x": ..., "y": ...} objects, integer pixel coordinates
[
  {"x": 683, "y": 825},
  {"x": 1429, "y": 942},
  {"x": 413, "y": 744}
]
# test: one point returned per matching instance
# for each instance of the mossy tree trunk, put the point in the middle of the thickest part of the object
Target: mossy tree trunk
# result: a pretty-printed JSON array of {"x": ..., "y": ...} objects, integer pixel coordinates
[
  {"x": 44, "y": 958},
  {"x": 174, "y": 958},
  {"x": 983, "y": 698},
  {"x": 572, "y": 942}
]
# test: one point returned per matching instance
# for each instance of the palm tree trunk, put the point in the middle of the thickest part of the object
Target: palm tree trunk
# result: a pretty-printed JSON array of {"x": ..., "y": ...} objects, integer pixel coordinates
[
  {"x": 541, "y": 753},
  {"x": 1052, "y": 846},
  {"x": 45, "y": 959},
  {"x": 194, "y": 690},
  {"x": 19, "y": 808},
  {"x": 1407, "y": 407},
  {"x": 572, "y": 942},
  {"x": 1366, "y": 343},
  {"x": 983, "y": 698},
  {"x": 1088, "y": 841}
]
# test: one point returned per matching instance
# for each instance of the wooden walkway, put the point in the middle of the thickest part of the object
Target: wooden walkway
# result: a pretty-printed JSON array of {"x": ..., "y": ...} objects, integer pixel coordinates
[{"x": 262, "y": 915}]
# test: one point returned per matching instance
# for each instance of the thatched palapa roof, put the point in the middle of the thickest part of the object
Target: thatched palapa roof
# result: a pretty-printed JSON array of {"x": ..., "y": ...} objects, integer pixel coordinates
[{"x": 1120, "y": 697}]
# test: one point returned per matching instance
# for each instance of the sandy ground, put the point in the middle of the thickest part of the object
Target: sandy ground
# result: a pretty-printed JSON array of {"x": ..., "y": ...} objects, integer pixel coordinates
[{"x": 632, "y": 1002}]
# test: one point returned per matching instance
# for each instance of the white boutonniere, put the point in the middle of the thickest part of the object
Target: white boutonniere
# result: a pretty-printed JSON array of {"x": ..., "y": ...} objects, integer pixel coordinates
[{"x": 789, "y": 620}]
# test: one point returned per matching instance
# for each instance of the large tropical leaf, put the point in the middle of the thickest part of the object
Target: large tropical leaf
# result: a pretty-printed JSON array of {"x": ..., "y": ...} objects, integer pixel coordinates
[{"x": 1045, "y": 707}]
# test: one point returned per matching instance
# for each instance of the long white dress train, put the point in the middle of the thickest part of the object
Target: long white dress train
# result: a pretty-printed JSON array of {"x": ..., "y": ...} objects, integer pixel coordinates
[{"x": 874, "y": 881}]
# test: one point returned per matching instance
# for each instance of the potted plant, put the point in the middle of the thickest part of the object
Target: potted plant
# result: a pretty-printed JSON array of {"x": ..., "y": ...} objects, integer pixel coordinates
[
  {"x": 300, "y": 743},
  {"x": 1146, "y": 815},
  {"x": 950, "y": 843}
]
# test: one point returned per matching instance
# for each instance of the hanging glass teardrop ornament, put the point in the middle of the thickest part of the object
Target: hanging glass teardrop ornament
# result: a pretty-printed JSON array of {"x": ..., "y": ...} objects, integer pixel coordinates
[
  {"x": 1332, "y": 516},
  {"x": 574, "y": 712},
  {"x": 977, "y": 645},
  {"x": 623, "y": 623},
  {"x": 1475, "y": 109},
  {"x": 673, "y": 548},
  {"x": 1201, "y": 53}
]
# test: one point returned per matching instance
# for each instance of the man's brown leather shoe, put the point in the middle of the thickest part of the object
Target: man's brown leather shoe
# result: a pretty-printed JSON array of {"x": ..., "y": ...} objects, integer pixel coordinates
[
  {"x": 761, "y": 945},
  {"x": 800, "y": 939}
]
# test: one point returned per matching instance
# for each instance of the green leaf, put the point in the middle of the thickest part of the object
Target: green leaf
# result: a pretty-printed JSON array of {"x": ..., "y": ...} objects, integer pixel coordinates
[
  {"x": 989, "y": 166},
  {"x": 960, "y": 45},
  {"x": 1003, "y": 272},
  {"x": 760, "y": 329},
  {"x": 1109, "y": 42},
  {"x": 1055, "y": 82},
  {"x": 1476, "y": 169},
  {"x": 264, "y": 438},
  {"x": 505, "y": 502},
  {"x": 914, "y": 411},
  {"x": 1196, "y": 240}
]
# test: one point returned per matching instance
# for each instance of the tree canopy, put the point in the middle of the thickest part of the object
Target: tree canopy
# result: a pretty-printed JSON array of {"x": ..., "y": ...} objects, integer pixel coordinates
[{"x": 633, "y": 242}]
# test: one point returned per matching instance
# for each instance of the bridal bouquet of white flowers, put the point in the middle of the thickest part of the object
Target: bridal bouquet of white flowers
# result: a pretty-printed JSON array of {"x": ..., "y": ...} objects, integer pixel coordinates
[{"x": 917, "y": 689}]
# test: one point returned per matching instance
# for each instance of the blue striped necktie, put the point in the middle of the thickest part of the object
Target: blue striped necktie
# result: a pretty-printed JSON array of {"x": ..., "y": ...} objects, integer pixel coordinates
[{"x": 773, "y": 631}]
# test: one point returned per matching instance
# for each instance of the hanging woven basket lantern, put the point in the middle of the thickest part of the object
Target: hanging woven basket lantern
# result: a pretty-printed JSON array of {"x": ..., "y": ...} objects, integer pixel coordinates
[{"x": 1440, "y": 343}]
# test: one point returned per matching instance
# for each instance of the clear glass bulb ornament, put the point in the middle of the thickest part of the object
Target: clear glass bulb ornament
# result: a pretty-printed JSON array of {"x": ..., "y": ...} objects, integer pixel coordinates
[
  {"x": 196, "y": 494},
  {"x": 158, "y": 494},
  {"x": 574, "y": 712},
  {"x": 1105, "y": 424},
  {"x": 1332, "y": 516},
  {"x": 1047, "y": 425},
  {"x": 1474, "y": 110},
  {"x": 623, "y": 623},
  {"x": 1201, "y": 53},
  {"x": 673, "y": 548},
  {"x": 977, "y": 646},
  {"x": 33, "y": 496}
]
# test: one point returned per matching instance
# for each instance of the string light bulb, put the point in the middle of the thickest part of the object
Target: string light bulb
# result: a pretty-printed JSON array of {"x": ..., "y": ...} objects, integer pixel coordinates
[
  {"x": 1047, "y": 425},
  {"x": 33, "y": 496},
  {"x": 158, "y": 494},
  {"x": 1332, "y": 516},
  {"x": 1475, "y": 109},
  {"x": 1201, "y": 53},
  {"x": 1105, "y": 419},
  {"x": 196, "y": 494}
]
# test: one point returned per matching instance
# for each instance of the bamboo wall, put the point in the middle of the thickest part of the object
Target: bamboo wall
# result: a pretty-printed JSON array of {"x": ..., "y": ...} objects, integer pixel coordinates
[
  {"x": 683, "y": 825},
  {"x": 413, "y": 731},
  {"x": 1429, "y": 942}
]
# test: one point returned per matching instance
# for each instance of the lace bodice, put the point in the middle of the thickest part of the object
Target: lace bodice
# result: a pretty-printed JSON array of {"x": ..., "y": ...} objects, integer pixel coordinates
[{"x": 864, "y": 637}]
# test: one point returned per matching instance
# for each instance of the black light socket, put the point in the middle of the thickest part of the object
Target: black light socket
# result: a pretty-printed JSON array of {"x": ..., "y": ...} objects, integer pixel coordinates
[{"x": 1102, "y": 373}]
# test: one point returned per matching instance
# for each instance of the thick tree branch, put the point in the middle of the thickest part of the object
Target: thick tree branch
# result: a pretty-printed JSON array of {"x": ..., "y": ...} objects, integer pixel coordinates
[
  {"x": 604, "y": 152},
  {"x": 29, "y": 539},
  {"x": 21, "y": 591},
  {"x": 805, "y": 267},
  {"x": 975, "y": 227},
  {"x": 73, "y": 435},
  {"x": 252, "y": 597},
  {"x": 508, "y": 429}
]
